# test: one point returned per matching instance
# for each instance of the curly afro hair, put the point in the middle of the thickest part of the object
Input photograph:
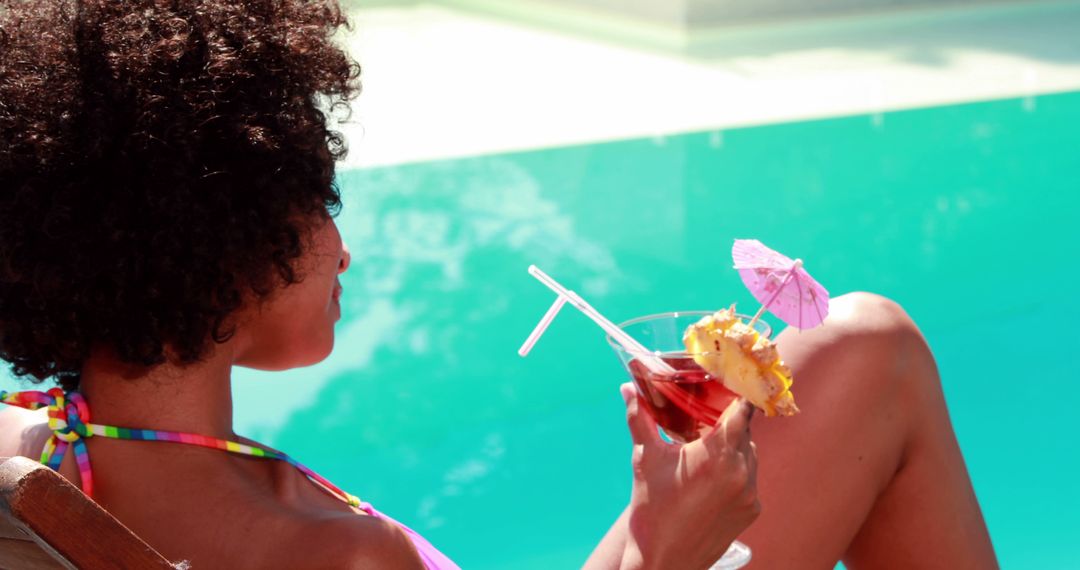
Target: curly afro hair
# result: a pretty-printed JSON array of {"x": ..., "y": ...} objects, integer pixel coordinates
[{"x": 160, "y": 161}]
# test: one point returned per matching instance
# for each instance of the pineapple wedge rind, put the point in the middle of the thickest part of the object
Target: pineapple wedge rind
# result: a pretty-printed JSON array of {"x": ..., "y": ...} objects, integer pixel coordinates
[{"x": 747, "y": 362}]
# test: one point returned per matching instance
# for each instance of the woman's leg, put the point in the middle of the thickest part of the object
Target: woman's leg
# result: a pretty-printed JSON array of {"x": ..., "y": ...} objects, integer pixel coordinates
[{"x": 870, "y": 471}]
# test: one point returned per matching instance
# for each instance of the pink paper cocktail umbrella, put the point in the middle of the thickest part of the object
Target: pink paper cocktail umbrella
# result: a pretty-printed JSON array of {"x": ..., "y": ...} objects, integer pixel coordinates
[{"x": 780, "y": 284}]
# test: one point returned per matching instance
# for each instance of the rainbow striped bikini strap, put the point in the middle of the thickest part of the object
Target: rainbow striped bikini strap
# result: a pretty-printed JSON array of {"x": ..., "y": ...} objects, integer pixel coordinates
[{"x": 69, "y": 420}]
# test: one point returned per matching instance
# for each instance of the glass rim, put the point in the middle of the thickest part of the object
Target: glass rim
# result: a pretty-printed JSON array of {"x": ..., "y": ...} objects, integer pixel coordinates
[{"x": 674, "y": 315}]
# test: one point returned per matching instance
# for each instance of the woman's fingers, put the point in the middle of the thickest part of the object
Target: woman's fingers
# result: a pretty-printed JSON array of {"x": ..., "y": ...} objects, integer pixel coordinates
[
  {"x": 736, "y": 417},
  {"x": 642, "y": 426},
  {"x": 751, "y": 463},
  {"x": 733, "y": 428}
]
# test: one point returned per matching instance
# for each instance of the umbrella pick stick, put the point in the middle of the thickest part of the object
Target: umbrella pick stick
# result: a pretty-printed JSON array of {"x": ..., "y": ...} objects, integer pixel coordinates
[{"x": 787, "y": 279}]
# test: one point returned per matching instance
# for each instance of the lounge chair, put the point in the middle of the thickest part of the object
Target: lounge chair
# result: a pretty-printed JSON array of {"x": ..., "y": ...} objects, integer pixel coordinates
[{"x": 46, "y": 522}]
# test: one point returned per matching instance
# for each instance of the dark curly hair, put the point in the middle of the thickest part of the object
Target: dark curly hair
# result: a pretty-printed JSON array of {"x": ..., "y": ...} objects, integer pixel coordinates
[{"x": 159, "y": 163}]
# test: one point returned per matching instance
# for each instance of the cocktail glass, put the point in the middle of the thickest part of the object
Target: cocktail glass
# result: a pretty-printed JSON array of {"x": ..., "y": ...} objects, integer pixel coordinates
[{"x": 686, "y": 399}]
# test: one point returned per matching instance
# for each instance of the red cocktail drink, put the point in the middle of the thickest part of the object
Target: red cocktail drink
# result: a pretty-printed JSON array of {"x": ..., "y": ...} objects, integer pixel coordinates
[
  {"x": 684, "y": 401},
  {"x": 681, "y": 397}
]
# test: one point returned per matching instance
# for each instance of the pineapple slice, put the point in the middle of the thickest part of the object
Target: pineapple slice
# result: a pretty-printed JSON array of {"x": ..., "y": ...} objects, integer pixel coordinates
[{"x": 748, "y": 363}]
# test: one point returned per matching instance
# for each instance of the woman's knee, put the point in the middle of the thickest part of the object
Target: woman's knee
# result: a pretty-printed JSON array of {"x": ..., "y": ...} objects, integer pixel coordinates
[
  {"x": 866, "y": 349},
  {"x": 864, "y": 314},
  {"x": 890, "y": 343},
  {"x": 857, "y": 323}
]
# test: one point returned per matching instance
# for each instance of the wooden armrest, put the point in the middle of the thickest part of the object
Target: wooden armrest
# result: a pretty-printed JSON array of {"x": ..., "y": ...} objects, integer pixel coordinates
[{"x": 46, "y": 522}]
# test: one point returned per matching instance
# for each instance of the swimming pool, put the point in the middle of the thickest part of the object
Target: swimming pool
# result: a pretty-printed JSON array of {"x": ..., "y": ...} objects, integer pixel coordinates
[{"x": 964, "y": 214}]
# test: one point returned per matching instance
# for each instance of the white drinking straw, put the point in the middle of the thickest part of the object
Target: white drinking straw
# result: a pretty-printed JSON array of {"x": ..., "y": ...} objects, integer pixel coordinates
[
  {"x": 542, "y": 325},
  {"x": 653, "y": 362}
]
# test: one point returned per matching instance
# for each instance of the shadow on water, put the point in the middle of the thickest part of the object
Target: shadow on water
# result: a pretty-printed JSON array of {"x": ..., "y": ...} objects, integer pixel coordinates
[{"x": 964, "y": 214}]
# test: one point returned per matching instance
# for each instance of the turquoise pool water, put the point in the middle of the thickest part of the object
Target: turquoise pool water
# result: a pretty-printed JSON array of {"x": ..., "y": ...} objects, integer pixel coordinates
[{"x": 965, "y": 214}]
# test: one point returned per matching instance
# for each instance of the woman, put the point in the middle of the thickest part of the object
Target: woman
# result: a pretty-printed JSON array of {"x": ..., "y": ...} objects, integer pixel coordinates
[{"x": 166, "y": 206}]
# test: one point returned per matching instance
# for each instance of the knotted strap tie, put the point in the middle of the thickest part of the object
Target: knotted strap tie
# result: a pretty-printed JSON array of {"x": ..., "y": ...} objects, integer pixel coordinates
[{"x": 69, "y": 420}]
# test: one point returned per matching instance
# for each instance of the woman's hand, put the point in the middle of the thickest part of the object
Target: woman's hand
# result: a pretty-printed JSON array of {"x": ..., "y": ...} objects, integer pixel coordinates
[{"x": 689, "y": 502}]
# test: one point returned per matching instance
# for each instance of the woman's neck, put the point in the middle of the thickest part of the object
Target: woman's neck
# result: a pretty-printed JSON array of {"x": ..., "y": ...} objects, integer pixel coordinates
[{"x": 196, "y": 398}]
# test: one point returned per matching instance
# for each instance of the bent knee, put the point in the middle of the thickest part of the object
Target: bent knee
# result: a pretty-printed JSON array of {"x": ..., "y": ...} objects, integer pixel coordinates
[
  {"x": 870, "y": 314},
  {"x": 867, "y": 340},
  {"x": 869, "y": 355},
  {"x": 880, "y": 329}
]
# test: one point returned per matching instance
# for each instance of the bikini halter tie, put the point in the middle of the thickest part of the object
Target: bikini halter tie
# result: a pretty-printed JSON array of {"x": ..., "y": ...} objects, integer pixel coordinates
[{"x": 69, "y": 420}]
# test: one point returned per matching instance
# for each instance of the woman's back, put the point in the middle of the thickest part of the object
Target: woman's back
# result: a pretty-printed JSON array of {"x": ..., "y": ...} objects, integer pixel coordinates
[{"x": 218, "y": 510}]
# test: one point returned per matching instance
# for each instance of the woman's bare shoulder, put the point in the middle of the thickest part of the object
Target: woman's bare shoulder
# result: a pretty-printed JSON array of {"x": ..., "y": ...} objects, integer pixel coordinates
[
  {"x": 22, "y": 432},
  {"x": 355, "y": 541}
]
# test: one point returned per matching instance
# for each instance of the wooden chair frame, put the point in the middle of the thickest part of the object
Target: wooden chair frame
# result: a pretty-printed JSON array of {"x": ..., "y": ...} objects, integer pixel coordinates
[{"x": 48, "y": 523}]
